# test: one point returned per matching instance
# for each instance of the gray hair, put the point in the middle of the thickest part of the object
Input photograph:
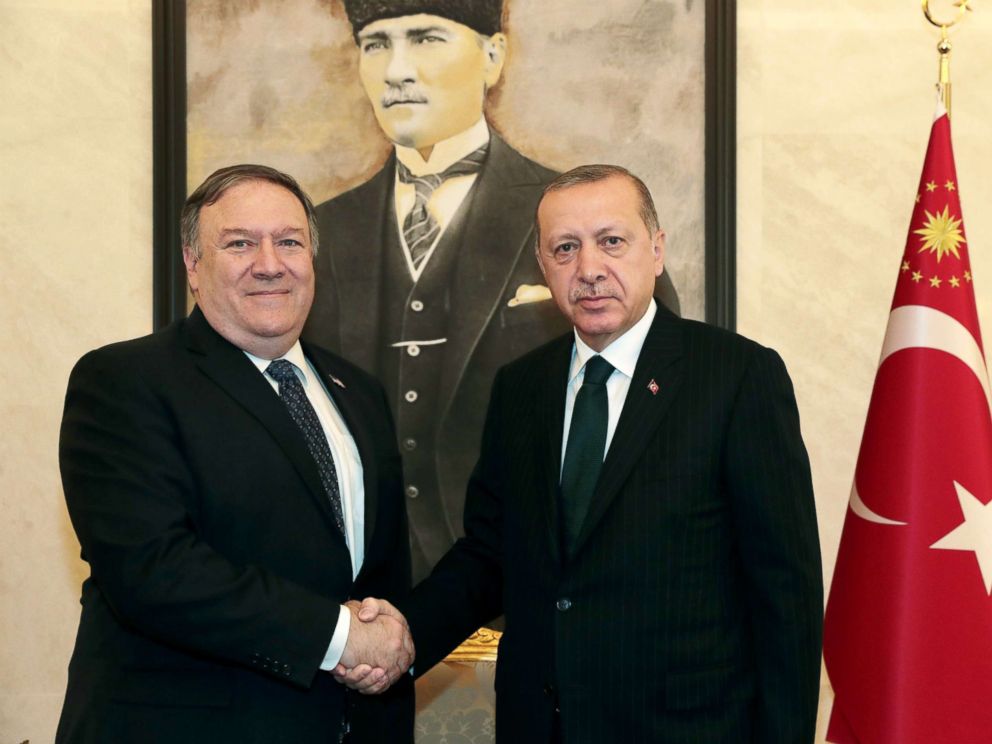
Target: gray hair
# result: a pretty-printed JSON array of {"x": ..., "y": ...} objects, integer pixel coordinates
[
  {"x": 218, "y": 182},
  {"x": 600, "y": 172}
]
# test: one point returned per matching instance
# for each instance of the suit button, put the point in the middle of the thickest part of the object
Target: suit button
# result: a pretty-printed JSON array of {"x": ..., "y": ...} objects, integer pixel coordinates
[
  {"x": 410, "y": 396},
  {"x": 564, "y": 604},
  {"x": 416, "y": 306},
  {"x": 549, "y": 690},
  {"x": 410, "y": 444},
  {"x": 413, "y": 350},
  {"x": 412, "y": 491}
]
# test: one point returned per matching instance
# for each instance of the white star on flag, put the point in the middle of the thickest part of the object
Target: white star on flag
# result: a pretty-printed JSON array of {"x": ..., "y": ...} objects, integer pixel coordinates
[
  {"x": 974, "y": 533},
  {"x": 928, "y": 426}
]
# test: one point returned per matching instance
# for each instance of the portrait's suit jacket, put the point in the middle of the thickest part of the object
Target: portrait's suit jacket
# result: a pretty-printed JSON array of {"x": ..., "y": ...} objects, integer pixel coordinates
[
  {"x": 690, "y": 612},
  {"x": 216, "y": 567},
  {"x": 495, "y": 257}
]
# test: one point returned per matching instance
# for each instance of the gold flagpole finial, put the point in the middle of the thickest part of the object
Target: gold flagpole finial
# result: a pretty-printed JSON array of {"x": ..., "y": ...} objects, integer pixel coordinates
[{"x": 944, "y": 47}]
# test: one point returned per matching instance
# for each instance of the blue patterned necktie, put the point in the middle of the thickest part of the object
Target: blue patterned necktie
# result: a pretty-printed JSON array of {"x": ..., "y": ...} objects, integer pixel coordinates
[
  {"x": 585, "y": 449},
  {"x": 420, "y": 228},
  {"x": 301, "y": 410}
]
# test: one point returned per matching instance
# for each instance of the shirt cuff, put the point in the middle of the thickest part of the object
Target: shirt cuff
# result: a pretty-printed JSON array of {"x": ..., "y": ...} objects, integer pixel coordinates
[{"x": 338, "y": 641}]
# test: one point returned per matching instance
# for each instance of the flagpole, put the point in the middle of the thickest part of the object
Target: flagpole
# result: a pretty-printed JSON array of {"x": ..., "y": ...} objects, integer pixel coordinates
[
  {"x": 944, "y": 49},
  {"x": 944, "y": 79}
]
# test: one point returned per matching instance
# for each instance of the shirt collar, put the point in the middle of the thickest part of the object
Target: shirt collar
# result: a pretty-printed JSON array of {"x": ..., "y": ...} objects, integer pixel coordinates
[
  {"x": 446, "y": 152},
  {"x": 622, "y": 353},
  {"x": 294, "y": 355}
]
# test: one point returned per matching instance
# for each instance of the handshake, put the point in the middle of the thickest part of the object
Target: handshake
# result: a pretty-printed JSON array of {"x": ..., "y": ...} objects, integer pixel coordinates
[{"x": 379, "y": 648}]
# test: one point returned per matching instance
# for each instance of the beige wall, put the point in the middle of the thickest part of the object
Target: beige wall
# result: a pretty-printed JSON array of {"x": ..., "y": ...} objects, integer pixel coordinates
[
  {"x": 75, "y": 221},
  {"x": 835, "y": 103}
]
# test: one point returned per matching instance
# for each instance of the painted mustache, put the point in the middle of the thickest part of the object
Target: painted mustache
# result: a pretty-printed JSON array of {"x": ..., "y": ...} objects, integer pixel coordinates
[{"x": 402, "y": 94}]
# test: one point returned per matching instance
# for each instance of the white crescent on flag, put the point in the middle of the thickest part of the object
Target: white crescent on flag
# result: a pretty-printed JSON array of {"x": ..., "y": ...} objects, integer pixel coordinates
[{"x": 923, "y": 327}]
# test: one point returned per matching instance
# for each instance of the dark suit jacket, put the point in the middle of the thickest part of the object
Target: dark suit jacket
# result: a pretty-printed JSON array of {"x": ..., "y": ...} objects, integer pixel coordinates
[
  {"x": 496, "y": 256},
  {"x": 691, "y": 609},
  {"x": 216, "y": 567}
]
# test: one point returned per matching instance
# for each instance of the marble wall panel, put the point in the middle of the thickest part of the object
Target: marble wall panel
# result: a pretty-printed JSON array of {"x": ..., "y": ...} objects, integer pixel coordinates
[
  {"x": 835, "y": 105},
  {"x": 75, "y": 215}
]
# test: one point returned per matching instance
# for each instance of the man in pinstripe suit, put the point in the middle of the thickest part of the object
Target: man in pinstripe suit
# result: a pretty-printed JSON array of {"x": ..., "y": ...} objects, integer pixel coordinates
[{"x": 676, "y": 596}]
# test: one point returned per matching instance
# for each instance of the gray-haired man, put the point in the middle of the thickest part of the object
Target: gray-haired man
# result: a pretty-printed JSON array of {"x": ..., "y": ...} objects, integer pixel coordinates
[{"x": 231, "y": 488}]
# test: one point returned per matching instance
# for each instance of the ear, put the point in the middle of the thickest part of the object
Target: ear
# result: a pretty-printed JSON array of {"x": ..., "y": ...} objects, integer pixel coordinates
[
  {"x": 659, "y": 252},
  {"x": 190, "y": 261},
  {"x": 494, "y": 47}
]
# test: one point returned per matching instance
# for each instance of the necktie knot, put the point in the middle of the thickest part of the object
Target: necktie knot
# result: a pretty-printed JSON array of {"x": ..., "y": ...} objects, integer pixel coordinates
[
  {"x": 420, "y": 227},
  {"x": 467, "y": 166},
  {"x": 598, "y": 371},
  {"x": 282, "y": 370}
]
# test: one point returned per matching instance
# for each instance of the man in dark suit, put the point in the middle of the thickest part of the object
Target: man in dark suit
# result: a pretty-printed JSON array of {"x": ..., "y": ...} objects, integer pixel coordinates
[
  {"x": 642, "y": 512},
  {"x": 231, "y": 489},
  {"x": 428, "y": 281}
]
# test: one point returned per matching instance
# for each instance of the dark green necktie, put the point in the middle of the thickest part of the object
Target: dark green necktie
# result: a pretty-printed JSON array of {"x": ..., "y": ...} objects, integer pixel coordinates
[{"x": 585, "y": 449}]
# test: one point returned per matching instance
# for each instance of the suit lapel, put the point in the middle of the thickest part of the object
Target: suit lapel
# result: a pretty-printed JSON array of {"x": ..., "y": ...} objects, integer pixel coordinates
[
  {"x": 643, "y": 411},
  {"x": 353, "y": 415},
  {"x": 234, "y": 373},
  {"x": 359, "y": 241},
  {"x": 497, "y": 227},
  {"x": 555, "y": 375}
]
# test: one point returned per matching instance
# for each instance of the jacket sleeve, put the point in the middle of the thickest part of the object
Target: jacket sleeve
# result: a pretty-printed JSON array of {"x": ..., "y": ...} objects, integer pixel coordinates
[
  {"x": 133, "y": 502},
  {"x": 768, "y": 478},
  {"x": 465, "y": 589}
]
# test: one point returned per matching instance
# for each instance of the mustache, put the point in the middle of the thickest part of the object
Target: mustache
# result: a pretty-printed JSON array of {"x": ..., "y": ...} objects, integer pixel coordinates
[
  {"x": 585, "y": 291},
  {"x": 405, "y": 93}
]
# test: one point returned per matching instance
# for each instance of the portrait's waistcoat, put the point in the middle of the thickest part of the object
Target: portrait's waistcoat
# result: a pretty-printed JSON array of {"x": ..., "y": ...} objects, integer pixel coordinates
[{"x": 413, "y": 312}]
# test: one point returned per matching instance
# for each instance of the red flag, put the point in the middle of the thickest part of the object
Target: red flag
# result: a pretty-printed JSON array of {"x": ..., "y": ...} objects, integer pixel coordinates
[{"x": 908, "y": 629}]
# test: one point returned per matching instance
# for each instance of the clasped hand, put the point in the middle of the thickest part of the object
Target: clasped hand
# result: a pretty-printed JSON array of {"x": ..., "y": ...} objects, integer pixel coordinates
[{"x": 379, "y": 648}]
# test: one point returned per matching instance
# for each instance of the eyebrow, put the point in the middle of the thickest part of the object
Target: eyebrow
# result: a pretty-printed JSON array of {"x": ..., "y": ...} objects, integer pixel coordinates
[
  {"x": 554, "y": 238},
  {"x": 282, "y": 232},
  {"x": 373, "y": 36},
  {"x": 606, "y": 230},
  {"x": 288, "y": 230},
  {"x": 610, "y": 230},
  {"x": 416, "y": 33},
  {"x": 410, "y": 33}
]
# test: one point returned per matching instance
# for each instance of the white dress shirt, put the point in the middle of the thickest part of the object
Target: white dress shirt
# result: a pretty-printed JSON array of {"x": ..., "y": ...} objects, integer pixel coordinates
[
  {"x": 447, "y": 197},
  {"x": 622, "y": 354},
  {"x": 348, "y": 465}
]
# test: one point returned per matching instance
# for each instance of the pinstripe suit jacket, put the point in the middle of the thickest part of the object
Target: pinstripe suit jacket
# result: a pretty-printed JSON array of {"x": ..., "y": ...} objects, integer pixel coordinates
[{"x": 691, "y": 610}]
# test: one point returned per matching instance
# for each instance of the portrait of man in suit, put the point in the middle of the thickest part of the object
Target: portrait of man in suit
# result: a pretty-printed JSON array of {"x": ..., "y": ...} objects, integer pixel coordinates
[
  {"x": 231, "y": 489},
  {"x": 644, "y": 497},
  {"x": 429, "y": 280}
]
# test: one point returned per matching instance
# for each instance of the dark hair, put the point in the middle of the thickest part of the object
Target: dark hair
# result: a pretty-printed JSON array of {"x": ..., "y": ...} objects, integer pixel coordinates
[
  {"x": 219, "y": 182},
  {"x": 600, "y": 172},
  {"x": 483, "y": 16}
]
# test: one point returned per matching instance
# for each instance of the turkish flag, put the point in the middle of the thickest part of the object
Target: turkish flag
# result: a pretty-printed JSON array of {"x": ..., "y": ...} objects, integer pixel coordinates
[{"x": 908, "y": 629}]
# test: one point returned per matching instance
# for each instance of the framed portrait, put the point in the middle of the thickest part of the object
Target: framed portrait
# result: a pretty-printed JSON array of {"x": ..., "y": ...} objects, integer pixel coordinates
[
  {"x": 647, "y": 84},
  {"x": 324, "y": 89}
]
